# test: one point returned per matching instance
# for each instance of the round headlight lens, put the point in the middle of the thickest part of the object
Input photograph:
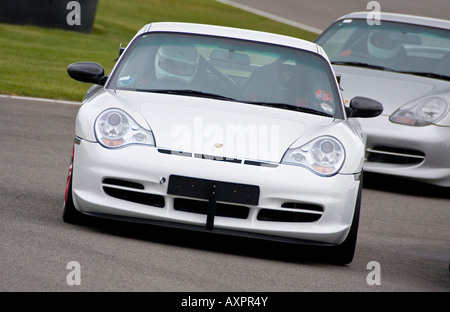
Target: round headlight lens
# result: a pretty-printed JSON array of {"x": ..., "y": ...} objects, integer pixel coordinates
[
  {"x": 324, "y": 155},
  {"x": 113, "y": 125},
  {"x": 115, "y": 128},
  {"x": 424, "y": 113}
]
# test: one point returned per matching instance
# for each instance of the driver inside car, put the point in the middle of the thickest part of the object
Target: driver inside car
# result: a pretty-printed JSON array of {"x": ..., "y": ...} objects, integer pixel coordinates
[
  {"x": 380, "y": 47},
  {"x": 288, "y": 82},
  {"x": 178, "y": 62}
]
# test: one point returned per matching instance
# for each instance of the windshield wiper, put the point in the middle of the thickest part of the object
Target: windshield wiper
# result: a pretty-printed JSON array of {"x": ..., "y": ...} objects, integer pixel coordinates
[
  {"x": 362, "y": 64},
  {"x": 221, "y": 97},
  {"x": 290, "y": 107},
  {"x": 426, "y": 74},
  {"x": 189, "y": 93}
]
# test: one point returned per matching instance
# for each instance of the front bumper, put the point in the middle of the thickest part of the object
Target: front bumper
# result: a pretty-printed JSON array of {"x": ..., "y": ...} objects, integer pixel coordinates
[
  {"x": 293, "y": 205},
  {"x": 419, "y": 153}
]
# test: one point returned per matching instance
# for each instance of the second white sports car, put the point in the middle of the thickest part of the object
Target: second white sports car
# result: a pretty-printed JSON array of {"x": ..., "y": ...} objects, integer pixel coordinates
[
  {"x": 402, "y": 61},
  {"x": 222, "y": 130}
]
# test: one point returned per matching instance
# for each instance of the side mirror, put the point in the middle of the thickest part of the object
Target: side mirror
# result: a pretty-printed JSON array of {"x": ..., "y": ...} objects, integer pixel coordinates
[
  {"x": 364, "y": 107},
  {"x": 87, "y": 72}
]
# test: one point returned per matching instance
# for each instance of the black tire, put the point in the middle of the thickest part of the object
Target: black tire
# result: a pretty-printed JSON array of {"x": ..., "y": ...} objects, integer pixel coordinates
[
  {"x": 70, "y": 213},
  {"x": 342, "y": 254}
]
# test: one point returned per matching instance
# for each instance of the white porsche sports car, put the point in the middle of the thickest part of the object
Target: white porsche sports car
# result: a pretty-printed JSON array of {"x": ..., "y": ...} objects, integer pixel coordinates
[
  {"x": 221, "y": 130},
  {"x": 402, "y": 61}
]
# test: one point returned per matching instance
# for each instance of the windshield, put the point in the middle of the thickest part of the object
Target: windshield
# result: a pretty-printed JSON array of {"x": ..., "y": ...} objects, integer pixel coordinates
[
  {"x": 390, "y": 46},
  {"x": 229, "y": 69}
]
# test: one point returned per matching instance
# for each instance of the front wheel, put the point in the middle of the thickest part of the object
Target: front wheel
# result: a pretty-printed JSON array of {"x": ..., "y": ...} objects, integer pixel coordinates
[{"x": 342, "y": 254}]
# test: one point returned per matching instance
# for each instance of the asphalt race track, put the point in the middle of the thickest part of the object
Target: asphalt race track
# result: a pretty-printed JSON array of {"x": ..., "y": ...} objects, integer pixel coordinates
[
  {"x": 403, "y": 243},
  {"x": 319, "y": 14}
]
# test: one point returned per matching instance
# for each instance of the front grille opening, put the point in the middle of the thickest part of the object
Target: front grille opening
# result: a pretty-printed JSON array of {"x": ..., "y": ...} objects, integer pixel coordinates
[
  {"x": 123, "y": 183},
  {"x": 286, "y": 216},
  {"x": 201, "y": 207},
  {"x": 393, "y": 155},
  {"x": 136, "y": 197},
  {"x": 303, "y": 206}
]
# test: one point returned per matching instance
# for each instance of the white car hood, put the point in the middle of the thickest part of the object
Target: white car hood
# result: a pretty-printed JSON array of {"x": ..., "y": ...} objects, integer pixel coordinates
[
  {"x": 220, "y": 128},
  {"x": 393, "y": 90}
]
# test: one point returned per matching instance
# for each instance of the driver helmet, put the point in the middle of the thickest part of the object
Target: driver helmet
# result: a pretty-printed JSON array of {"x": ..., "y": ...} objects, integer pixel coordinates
[
  {"x": 178, "y": 61},
  {"x": 383, "y": 45}
]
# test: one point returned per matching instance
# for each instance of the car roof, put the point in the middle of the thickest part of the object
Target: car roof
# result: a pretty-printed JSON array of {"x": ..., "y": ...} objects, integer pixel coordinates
[
  {"x": 224, "y": 31},
  {"x": 402, "y": 18}
]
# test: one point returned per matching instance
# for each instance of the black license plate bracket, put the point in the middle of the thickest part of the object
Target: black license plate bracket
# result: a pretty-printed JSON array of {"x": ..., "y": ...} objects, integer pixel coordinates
[{"x": 237, "y": 193}]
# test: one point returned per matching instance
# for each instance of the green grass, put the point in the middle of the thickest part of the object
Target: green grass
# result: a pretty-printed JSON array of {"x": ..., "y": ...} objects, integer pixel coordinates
[{"x": 33, "y": 60}]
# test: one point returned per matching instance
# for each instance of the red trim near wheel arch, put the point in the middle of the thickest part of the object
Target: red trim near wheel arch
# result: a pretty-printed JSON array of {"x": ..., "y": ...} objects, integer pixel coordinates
[{"x": 69, "y": 176}]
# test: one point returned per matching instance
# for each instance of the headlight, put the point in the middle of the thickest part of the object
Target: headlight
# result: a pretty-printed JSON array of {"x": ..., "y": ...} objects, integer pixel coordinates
[
  {"x": 424, "y": 113},
  {"x": 324, "y": 156},
  {"x": 115, "y": 128}
]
